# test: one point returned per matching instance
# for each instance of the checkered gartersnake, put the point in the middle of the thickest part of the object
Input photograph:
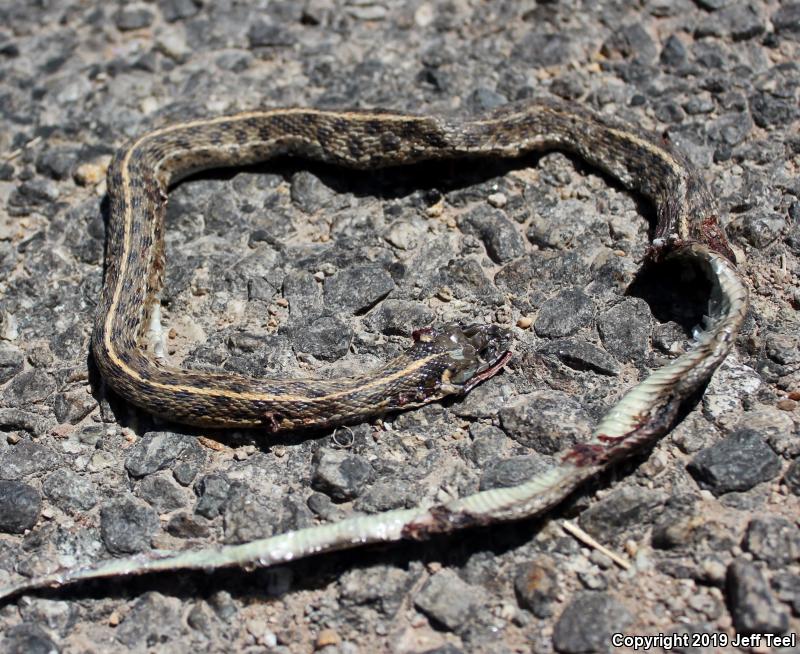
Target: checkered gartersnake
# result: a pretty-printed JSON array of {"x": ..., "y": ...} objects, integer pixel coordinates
[{"x": 439, "y": 363}]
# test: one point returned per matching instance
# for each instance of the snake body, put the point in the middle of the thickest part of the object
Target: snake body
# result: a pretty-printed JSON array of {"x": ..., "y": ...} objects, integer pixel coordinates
[{"x": 440, "y": 363}]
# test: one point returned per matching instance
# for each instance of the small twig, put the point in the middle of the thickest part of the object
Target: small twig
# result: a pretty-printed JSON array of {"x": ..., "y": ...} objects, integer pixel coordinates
[{"x": 586, "y": 539}]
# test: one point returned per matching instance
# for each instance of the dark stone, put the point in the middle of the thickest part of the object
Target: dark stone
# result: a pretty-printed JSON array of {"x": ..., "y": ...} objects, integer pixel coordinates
[
  {"x": 564, "y": 314},
  {"x": 536, "y": 586},
  {"x": 513, "y": 471},
  {"x": 185, "y": 525},
  {"x": 581, "y": 355},
  {"x": 28, "y": 638},
  {"x": 758, "y": 227},
  {"x": 304, "y": 294},
  {"x": 792, "y": 477},
  {"x": 674, "y": 52},
  {"x": 127, "y": 526},
  {"x": 20, "y": 505},
  {"x": 502, "y": 240},
  {"x": 630, "y": 42},
  {"x": 770, "y": 111},
  {"x": 152, "y": 623},
  {"x": 772, "y": 539},
  {"x": 737, "y": 463},
  {"x": 670, "y": 112},
  {"x": 69, "y": 491},
  {"x": 339, "y": 474},
  {"x": 11, "y": 360},
  {"x": 787, "y": 589},
  {"x": 325, "y": 338},
  {"x": 730, "y": 129},
  {"x": 787, "y": 18},
  {"x": 26, "y": 458},
  {"x": 542, "y": 50},
  {"x": 161, "y": 493},
  {"x": 356, "y": 290},
  {"x": 309, "y": 192},
  {"x": 740, "y": 21},
  {"x": 448, "y": 600},
  {"x": 400, "y": 317},
  {"x": 248, "y": 516},
  {"x": 57, "y": 163},
  {"x": 174, "y": 10},
  {"x": 482, "y": 100},
  {"x": 588, "y": 623},
  {"x": 488, "y": 443},
  {"x": 753, "y": 607},
  {"x": 385, "y": 495},
  {"x": 611, "y": 518},
  {"x": 213, "y": 493},
  {"x": 32, "y": 194},
  {"x": 625, "y": 329},
  {"x": 263, "y": 34},
  {"x": 161, "y": 450},
  {"x": 133, "y": 17},
  {"x": 28, "y": 387},
  {"x": 547, "y": 421},
  {"x": 382, "y": 587}
]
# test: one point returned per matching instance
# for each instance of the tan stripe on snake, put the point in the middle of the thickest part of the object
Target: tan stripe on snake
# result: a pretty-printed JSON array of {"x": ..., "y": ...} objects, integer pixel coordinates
[{"x": 445, "y": 362}]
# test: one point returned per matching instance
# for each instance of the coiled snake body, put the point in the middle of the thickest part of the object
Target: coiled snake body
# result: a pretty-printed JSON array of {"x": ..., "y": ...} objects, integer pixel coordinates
[{"x": 450, "y": 361}]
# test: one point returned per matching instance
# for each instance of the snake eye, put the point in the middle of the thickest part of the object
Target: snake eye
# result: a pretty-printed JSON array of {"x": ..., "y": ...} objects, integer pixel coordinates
[{"x": 470, "y": 350}]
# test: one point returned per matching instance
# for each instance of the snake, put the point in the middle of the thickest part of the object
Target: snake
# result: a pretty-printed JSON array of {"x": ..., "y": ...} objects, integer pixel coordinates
[{"x": 446, "y": 361}]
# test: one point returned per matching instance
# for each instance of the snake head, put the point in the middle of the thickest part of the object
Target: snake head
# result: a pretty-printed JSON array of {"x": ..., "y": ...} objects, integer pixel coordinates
[{"x": 473, "y": 354}]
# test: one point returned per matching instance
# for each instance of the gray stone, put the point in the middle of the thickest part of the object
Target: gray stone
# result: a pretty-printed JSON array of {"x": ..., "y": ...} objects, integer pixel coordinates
[
  {"x": 740, "y": 21},
  {"x": 264, "y": 34},
  {"x": 625, "y": 329},
  {"x": 161, "y": 492},
  {"x": 753, "y": 607},
  {"x": 11, "y": 360},
  {"x": 385, "y": 495},
  {"x": 630, "y": 42},
  {"x": 758, "y": 228},
  {"x": 787, "y": 18},
  {"x": 536, "y": 586},
  {"x": 248, "y": 516},
  {"x": 772, "y": 539},
  {"x": 174, "y": 10},
  {"x": 69, "y": 491},
  {"x": 482, "y": 100},
  {"x": 152, "y": 619},
  {"x": 380, "y": 586},
  {"x": 513, "y": 471},
  {"x": 28, "y": 387},
  {"x": 792, "y": 477},
  {"x": 400, "y": 317},
  {"x": 588, "y": 623},
  {"x": 770, "y": 111},
  {"x": 611, "y": 518},
  {"x": 500, "y": 236},
  {"x": 127, "y": 525},
  {"x": 20, "y": 505},
  {"x": 737, "y": 463},
  {"x": 26, "y": 458},
  {"x": 309, "y": 192},
  {"x": 11, "y": 419},
  {"x": 160, "y": 450},
  {"x": 674, "y": 52},
  {"x": 564, "y": 314},
  {"x": 57, "y": 163},
  {"x": 133, "y": 17},
  {"x": 185, "y": 525},
  {"x": 542, "y": 50},
  {"x": 339, "y": 474},
  {"x": 325, "y": 338},
  {"x": 448, "y": 600},
  {"x": 548, "y": 421},
  {"x": 488, "y": 443},
  {"x": 213, "y": 493},
  {"x": 357, "y": 289},
  {"x": 304, "y": 295},
  {"x": 580, "y": 355},
  {"x": 27, "y": 638}
]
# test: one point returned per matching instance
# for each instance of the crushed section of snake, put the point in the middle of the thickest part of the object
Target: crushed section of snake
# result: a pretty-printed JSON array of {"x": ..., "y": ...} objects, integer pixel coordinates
[{"x": 449, "y": 361}]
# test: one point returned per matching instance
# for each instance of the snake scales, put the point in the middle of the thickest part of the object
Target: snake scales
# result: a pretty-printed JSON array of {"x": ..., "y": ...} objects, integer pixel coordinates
[{"x": 440, "y": 363}]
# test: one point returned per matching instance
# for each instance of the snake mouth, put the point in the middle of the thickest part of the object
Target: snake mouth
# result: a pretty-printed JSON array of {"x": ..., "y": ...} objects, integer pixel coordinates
[{"x": 475, "y": 352}]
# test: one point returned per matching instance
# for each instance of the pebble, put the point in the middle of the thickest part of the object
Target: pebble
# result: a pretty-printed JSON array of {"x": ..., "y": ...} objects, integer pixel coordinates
[
  {"x": 20, "y": 506},
  {"x": 547, "y": 421},
  {"x": 625, "y": 329},
  {"x": 536, "y": 586},
  {"x": 564, "y": 314},
  {"x": 339, "y": 474},
  {"x": 737, "y": 463},
  {"x": 127, "y": 525},
  {"x": 588, "y": 622},
  {"x": 448, "y": 600},
  {"x": 752, "y": 604},
  {"x": 773, "y": 539},
  {"x": 161, "y": 450}
]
